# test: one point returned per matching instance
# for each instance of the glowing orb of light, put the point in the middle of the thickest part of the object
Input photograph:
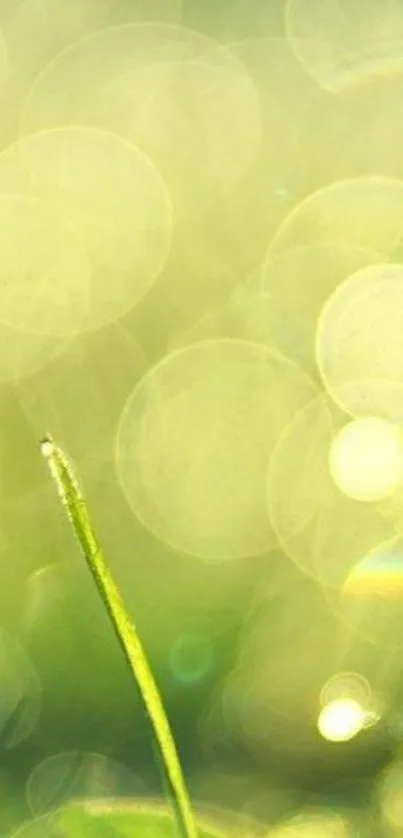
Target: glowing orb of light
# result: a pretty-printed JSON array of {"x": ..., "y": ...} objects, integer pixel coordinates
[
  {"x": 366, "y": 458},
  {"x": 342, "y": 719}
]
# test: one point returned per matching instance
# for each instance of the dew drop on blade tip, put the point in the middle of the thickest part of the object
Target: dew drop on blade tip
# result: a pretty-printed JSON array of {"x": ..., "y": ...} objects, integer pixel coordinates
[{"x": 47, "y": 446}]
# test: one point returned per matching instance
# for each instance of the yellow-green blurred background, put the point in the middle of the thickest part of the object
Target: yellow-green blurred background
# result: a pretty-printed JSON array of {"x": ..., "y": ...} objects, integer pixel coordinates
[{"x": 201, "y": 299}]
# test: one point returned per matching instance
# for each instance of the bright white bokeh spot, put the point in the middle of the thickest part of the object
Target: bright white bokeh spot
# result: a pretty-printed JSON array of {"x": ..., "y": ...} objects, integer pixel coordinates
[
  {"x": 322, "y": 529},
  {"x": 366, "y": 459},
  {"x": 341, "y": 720},
  {"x": 348, "y": 705}
]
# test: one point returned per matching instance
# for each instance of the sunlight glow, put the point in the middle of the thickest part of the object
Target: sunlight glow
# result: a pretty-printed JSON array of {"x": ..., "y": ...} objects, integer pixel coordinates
[
  {"x": 366, "y": 459},
  {"x": 342, "y": 719}
]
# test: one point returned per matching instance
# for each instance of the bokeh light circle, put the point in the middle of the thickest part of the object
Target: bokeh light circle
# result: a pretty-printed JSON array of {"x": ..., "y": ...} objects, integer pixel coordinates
[
  {"x": 173, "y": 92},
  {"x": 341, "y": 720},
  {"x": 366, "y": 458},
  {"x": 361, "y": 211},
  {"x": 291, "y": 289},
  {"x": 280, "y": 304},
  {"x": 320, "y": 823},
  {"x": 194, "y": 441},
  {"x": 319, "y": 527},
  {"x": 359, "y": 342},
  {"x": 348, "y": 706},
  {"x": 71, "y": 775},
  {"x": 369, "y": 603},
  {"x": 38, "y": 30},
  {"x": 342, "y": 44},
  {"x": 23, "y": 354},
  {"x": 378, "y": 573},
  {"x": 107, "y": 195},
  {"x": 44, "y": 270},
  {"x": 140, "y": 816},
  {"x": 350, "y": 685}
]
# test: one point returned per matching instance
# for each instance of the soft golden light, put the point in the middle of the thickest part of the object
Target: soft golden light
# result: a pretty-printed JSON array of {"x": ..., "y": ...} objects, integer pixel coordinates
[
  {"x": 342, "y": 719},
  {"x": 366, "y": 459}
]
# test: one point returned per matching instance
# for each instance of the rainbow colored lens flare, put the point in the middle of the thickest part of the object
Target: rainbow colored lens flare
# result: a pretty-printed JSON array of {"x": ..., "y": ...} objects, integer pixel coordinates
[{"x": 380, "y": 573}]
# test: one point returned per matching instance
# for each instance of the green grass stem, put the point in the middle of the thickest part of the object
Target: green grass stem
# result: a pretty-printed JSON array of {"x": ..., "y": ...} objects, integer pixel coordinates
[{"x": 76, "y": 508}]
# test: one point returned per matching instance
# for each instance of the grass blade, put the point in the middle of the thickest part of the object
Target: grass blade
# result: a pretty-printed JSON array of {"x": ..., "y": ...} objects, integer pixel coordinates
[{"x": 74, "y": 503}]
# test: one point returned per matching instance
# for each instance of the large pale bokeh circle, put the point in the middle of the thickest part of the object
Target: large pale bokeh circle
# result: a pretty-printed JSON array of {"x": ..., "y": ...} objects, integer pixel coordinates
[
  {"x": 292, "y": 288},
  {"x": 44, "y": 270},
  {"x": 342, "y": 44},
  {"x": 366, "y": 458},
  {"x": 362, "y": 212},
  {"x": 184, "y": 99},
  {"x": 44, "y": 284},
  {"x": 359, "y": 342},
  {"x": 38, "y": 30},
  {"x": 325, "y": 532},
  {"x": 111, "y": 199},
  {"x": 194, "y": 441},
  {"x": 23, "y": 354}
]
